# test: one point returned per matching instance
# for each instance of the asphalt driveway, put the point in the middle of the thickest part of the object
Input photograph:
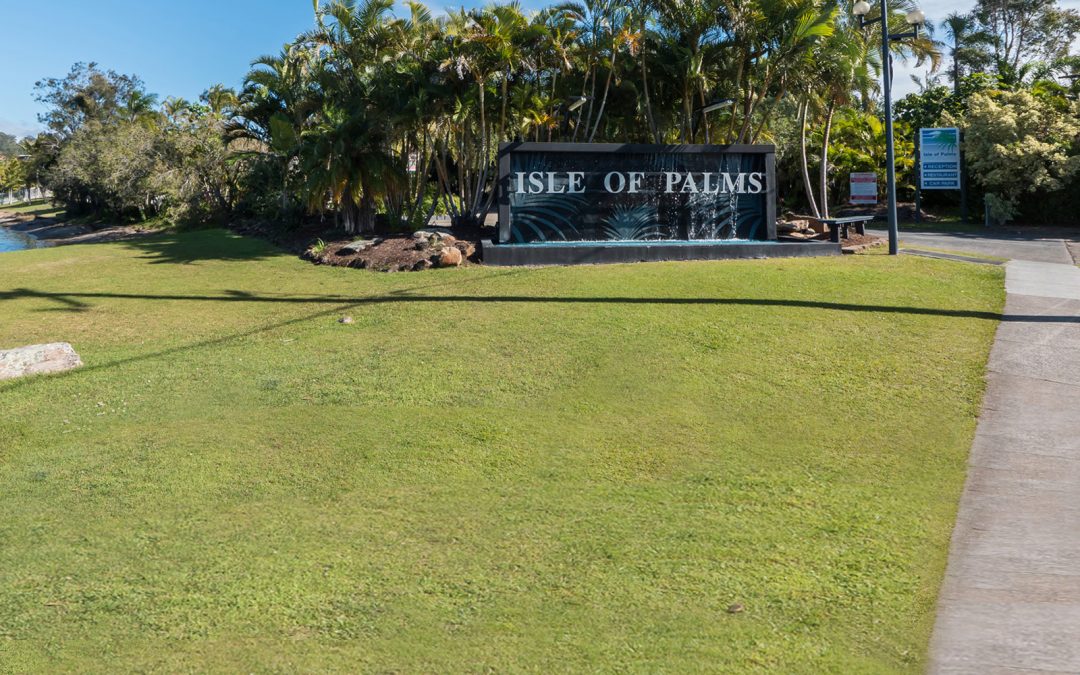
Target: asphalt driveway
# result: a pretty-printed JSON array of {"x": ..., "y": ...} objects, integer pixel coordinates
[{"x": 1032, "y": 244}]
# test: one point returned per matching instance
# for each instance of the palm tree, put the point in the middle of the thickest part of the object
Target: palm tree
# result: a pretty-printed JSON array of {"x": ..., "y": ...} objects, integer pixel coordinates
[
  {"x": 779, "y": 36},
  {"x": 174, "y": 108},
  {"x": 275, "y": 105},
  {"x": 139, "y": 105},
  {"x": 968, "y": 45},
  {"x": 345, "y": 161},
  {"x": 842, "y": 69},
  {"x": 687, "y": 30},
  {"x": 221, "y": 99}
]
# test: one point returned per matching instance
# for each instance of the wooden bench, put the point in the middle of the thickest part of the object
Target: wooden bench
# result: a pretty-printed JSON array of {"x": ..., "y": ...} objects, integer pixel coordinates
[{"x": 838, "y": 227}]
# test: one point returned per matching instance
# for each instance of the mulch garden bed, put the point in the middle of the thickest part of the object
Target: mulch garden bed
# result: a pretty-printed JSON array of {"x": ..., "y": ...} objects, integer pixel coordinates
[
  {"x": 856, "y": 243},
  {"x": 400, "y": 253}
]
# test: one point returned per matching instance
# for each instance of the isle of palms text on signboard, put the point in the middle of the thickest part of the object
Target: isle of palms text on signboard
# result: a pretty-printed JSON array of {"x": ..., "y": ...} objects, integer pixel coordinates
[{"x": 633, "y": 182}]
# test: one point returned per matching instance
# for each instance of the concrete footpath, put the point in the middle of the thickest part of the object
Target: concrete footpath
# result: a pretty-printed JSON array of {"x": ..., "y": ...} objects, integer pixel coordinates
[{"x": 1011, "y": 597}]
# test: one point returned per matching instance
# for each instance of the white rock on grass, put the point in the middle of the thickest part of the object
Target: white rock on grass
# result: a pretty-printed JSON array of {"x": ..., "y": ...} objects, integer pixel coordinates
[{"x": 38, "y": 360}]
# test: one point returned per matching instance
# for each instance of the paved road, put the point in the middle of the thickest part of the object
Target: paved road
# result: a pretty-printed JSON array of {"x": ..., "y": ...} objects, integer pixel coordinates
[
  {"x": 1049, "y": 249},
  {"x": 1011, "y": 597}
]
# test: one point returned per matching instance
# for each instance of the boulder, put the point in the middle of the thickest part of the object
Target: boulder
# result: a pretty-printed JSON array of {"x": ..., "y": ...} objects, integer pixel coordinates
[
  {"x": 467, "y": 248},
  {"x": 421, "y": 265},
  {"x": 793, "y": 226},
  {"x": 37, "y": 360},
  {"x": 434, "y": 236},
  {"x": 355, "y": 247},
  {"x": 450, "y": 257}
]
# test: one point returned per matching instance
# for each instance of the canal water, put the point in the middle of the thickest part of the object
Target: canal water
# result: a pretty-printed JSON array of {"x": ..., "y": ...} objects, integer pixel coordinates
[{"x": 11, "y": 240}]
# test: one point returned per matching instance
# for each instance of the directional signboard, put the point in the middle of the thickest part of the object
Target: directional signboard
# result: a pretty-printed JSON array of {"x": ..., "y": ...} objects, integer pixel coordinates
[{"x": 939, "y": 159}]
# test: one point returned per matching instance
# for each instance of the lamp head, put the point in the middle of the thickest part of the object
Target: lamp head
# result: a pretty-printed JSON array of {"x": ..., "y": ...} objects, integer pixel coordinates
[
  {"x": 861, "y": 8},
  {"x": 576, "y": 102},
  {"x": 716, "y": 105},
  {"x": 916, "y": 17}
]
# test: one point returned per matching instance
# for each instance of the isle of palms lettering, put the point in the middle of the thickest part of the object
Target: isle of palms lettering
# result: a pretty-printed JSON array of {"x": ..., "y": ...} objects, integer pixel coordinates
[{"x": 633, "y": 182}]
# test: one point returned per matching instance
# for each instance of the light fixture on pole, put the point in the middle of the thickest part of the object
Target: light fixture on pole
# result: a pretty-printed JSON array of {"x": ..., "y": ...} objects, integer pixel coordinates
[
  {"x": 567, "y": 109},
  {"x": 715, "y": 105},
  {"x": 916, "y": 19}
]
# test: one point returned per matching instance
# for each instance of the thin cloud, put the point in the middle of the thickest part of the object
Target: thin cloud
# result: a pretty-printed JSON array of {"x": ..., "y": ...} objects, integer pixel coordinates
[{"x": 19, "y": 129}]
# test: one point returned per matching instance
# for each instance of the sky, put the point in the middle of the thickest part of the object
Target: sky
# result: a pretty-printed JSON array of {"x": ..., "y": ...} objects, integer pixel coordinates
[{"x": 180, "y": 48}]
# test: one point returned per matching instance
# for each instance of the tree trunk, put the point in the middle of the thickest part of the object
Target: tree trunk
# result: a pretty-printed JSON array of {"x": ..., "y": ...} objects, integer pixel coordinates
[
  {"x": 805, "y": 166},
  {"x": 603, "y": 101},
  {"x": 738, "y": 81},
  {"x": 648, "y": 102},
  {"x": 348, "y": 212},
  {"x": 956, "y": 71},
  {"x": 704, "y": 117},
  {"x": 285, "y": 187},
  {"x": 581, "y": 110},
  {"x": 825, "y": 160},
  {"x": 367, "y": 214},
  {"x": 768, "y": 116},
  {"x": 502, "y": 115},
  {"x": 688, "y": 114}
]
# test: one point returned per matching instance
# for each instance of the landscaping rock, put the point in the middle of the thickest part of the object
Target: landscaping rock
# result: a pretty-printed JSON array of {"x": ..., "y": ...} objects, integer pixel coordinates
[
  {"x": 422, "y": 265},
  {"x": 434, "y": 236},
  {"x": 793, "y": 226},
  {"x": 356, "y": 247},
  {"x": 467, "y": 248},
  {"x": 37, "y": 360},
  {"x": 450, "y": 257}
]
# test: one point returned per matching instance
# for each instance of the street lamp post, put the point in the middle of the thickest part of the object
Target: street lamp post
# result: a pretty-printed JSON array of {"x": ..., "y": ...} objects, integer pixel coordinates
[{"x": 915, "y": 19}]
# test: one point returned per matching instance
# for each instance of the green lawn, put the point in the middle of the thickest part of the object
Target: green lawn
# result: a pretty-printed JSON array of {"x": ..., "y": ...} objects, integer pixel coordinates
[
  {"x": 42, "y": 208},
  {"x": 545, "y": 470}
]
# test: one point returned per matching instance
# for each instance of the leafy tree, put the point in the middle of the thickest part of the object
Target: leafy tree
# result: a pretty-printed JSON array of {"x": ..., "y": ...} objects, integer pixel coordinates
[
  {"x": 9, "y": 145},
  {"x": 13, "y": 174},
  {"x": 930, "y": 107},
  {"x": 1026, "y": 31},
  {"x": 87, "y": 94},
  {"x": 1018, "y": 144},
  {"x": 372, "y": 113}
]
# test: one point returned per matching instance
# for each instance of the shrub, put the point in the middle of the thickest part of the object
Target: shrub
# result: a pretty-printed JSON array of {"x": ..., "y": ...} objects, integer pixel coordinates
[{"x": 1019, "y": 144}]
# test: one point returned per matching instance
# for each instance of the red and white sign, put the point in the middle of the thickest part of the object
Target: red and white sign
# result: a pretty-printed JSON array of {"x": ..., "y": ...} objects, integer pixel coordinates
[{"x": 864, "y": 189}]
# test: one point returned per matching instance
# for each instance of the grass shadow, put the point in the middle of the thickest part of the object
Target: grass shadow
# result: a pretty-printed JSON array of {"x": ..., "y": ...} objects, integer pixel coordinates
[
  {"x": 185, "y": 247},
  {"x": 342, "y": 303}
]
